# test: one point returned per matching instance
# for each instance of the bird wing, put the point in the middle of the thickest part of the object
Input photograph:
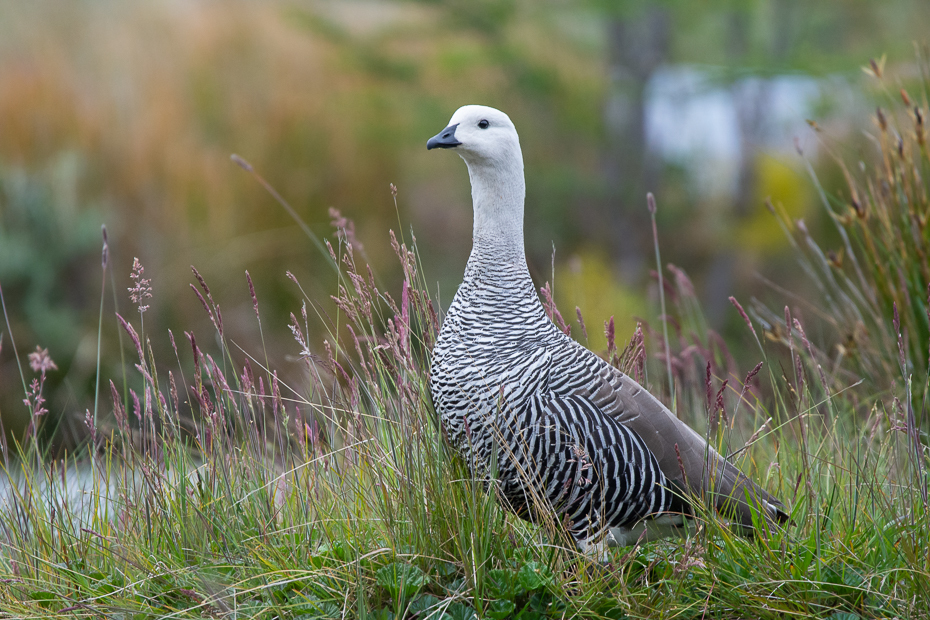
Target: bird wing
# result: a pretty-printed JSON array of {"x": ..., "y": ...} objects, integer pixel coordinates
[{"x": 684, "y": 456}]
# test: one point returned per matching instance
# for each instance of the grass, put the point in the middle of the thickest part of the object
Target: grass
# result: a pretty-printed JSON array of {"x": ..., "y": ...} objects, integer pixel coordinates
[{"x": 215, "y": 489}]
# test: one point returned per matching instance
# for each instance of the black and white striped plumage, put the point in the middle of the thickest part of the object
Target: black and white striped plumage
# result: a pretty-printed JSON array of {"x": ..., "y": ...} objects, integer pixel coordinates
[
  {"x": 589, "y": 468},
  {"x": 520, "y": 400}
]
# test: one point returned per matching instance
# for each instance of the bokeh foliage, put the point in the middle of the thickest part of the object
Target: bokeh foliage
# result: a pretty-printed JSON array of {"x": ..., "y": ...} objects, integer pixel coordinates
[{"x": 125, "y": 113}]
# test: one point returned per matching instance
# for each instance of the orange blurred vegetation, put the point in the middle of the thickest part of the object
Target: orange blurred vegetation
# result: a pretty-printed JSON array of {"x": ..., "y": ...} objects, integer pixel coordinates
[{"x": 330, "y": 102}]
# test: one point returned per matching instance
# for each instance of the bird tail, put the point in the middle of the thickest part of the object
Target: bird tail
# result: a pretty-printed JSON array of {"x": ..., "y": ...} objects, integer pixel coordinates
[{"x": 737, "y": 497}]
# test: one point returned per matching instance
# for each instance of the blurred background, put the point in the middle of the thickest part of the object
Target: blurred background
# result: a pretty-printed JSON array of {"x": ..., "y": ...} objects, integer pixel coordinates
[{"x": 125, "y": 113}]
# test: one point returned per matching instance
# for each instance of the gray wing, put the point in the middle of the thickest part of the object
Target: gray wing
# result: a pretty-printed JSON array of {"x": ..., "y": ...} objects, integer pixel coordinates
[{"x": 701, "y": 469}]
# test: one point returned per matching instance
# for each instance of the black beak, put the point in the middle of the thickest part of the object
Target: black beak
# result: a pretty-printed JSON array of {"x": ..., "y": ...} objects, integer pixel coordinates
[{"x": 445, "y": 139}]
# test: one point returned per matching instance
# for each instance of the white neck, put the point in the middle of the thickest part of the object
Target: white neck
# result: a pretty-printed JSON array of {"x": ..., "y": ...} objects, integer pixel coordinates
[{"x": 498, "y": 191}]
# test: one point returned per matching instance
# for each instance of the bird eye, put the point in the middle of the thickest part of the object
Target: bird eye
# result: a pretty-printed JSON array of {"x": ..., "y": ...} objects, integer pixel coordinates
[{"x": 483, "y": 124}]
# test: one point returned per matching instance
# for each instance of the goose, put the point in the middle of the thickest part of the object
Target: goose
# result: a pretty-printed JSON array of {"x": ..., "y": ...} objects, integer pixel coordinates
[{"x": 556, "y": 427}]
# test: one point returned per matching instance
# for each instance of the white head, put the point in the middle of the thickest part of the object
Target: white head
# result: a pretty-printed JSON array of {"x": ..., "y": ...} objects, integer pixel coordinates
[
  {"x": 487, "y": 140},
  {"x": 482, "y": 136}
]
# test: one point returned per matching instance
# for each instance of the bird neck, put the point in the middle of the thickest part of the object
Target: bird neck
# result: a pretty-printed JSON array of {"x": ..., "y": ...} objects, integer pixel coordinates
[{"x": 498, "y": 191}]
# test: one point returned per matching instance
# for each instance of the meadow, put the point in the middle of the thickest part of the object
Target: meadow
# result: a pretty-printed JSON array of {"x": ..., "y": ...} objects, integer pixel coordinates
[{"x": 210, "y": 487}]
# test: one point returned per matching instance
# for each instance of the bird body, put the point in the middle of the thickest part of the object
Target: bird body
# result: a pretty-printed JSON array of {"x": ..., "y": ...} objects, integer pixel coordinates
[{"x": 522, "y": 402}]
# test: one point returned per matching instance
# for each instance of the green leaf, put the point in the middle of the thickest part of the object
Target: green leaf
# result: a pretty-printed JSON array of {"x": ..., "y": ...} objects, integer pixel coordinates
[
  {"x": 401, "y": 580},
  {"x": 540, "y": 602},
  {"x": 534, "y": 575},
  {"x": 502, "y": 583},
  {"x": 336, "y": 549},
  {"x": 313, "y": 606},
  {"x": 423, "y": 604},
  {"x": 254, "y": 610},
  {"x": 456, "y": 586},
  {"x": 447, "y": 569},
  {"x": 500, "y": 609},
  {"x": 44, "y": 598},
  {"x": 614, "y": 614},
  {"x": 460, "y": 611}
]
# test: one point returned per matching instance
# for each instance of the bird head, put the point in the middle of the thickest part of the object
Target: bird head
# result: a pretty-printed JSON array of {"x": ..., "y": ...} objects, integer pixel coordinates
[{"x": 481, "y": 135}]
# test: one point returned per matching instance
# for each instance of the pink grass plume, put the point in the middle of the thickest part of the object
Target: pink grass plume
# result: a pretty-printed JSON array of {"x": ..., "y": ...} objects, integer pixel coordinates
[{"x": 142, "y": 289}]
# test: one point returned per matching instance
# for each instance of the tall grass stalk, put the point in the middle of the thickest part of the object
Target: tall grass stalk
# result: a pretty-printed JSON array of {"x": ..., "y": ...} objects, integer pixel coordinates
[
  {"x": 875, "y": 288},
  {"x": 650, "y": 199},
  {"x": 104, "y": 260}
]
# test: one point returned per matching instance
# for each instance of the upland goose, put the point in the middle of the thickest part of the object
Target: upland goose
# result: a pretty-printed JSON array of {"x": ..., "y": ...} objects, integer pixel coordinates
[{"x": 557, "y": 427}]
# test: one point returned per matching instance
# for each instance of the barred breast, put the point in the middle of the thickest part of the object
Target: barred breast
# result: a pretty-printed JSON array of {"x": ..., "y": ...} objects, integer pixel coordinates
[{"x": 508, "y": 387}]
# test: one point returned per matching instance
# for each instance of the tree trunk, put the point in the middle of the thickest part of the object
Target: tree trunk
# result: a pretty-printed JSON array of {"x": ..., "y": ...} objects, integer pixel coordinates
[{"x": 638, "y": 44}]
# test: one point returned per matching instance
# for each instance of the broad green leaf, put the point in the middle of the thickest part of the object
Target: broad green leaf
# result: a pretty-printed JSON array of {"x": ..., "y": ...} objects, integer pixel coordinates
[
  {"x": 401, "y": 580},
  {"x": 534, "y": 575}
]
